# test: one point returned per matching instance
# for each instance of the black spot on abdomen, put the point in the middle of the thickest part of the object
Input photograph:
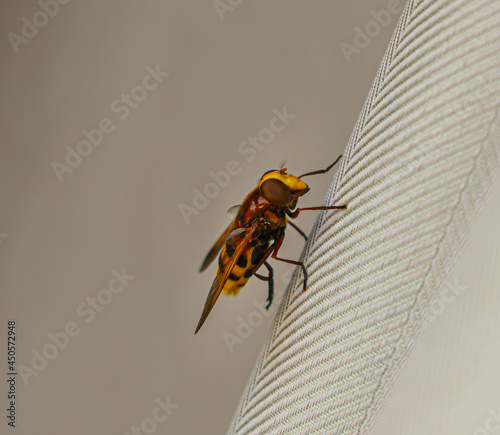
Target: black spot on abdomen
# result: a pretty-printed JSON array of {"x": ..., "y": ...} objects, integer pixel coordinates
[
  {"x": 258, "y": 253},
  {"x": 229, "y": 250},
  {"x": 242, "y": 261}
]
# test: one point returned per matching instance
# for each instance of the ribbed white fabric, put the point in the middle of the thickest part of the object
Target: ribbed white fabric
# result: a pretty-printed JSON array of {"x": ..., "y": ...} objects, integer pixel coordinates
[{"x": 421, "y": 159}]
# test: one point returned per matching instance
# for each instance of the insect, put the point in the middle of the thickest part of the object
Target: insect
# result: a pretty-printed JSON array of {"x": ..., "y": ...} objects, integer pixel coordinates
[{"x": 257, "y": 233}]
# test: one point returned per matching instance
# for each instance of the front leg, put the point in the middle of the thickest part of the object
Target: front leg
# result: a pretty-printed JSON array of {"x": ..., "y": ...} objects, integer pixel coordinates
[
  {"x": 326, "y": 207},
  {"x": 298, "y": 230}
]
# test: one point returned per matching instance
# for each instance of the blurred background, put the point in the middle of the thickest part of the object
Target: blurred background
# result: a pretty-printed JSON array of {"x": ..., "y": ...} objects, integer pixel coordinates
[{"x": 169, "y": 93}]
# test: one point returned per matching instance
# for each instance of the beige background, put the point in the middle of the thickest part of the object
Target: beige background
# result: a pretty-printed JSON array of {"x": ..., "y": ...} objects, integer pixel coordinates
[{"x": 120, "y": 207}]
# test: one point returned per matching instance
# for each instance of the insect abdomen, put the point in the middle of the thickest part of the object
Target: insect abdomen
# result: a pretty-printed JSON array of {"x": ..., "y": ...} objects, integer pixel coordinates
[{"x": 242, "y": 270}]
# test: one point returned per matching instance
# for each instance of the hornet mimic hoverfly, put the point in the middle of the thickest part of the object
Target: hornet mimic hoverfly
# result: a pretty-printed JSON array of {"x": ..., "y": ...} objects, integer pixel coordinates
[{"x": 246, "y": 242}]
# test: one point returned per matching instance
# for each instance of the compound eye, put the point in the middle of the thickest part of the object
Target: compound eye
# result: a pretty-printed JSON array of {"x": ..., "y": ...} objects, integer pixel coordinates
[{"x": 276, "y": 192}]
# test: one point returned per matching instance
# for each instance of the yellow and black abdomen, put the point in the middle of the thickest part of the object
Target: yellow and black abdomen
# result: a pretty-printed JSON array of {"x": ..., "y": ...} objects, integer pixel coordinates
[{"x": 242, "y": 270}]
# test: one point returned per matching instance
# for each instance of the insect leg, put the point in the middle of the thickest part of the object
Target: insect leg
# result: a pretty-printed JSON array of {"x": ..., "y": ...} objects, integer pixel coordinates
[
  {"x": 322, "y": 171},
  {"x": 331, "y": 207},
  {"x": 270, "y": 280},
  {"x": 274, "y": 255},
  {"x": 298, "y": 229}
]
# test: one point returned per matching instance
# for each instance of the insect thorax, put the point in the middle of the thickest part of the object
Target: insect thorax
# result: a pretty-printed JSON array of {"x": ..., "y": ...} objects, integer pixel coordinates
[{"x": 270, "y": 224}]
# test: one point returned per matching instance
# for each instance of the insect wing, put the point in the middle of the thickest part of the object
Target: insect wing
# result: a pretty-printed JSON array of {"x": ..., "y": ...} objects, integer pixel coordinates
[
  {"x": 216, "y": 248},
  {"x": 221, "y": 279},
  {"x": 236, "y": 235},
  {"x": 232, "y": 212}
]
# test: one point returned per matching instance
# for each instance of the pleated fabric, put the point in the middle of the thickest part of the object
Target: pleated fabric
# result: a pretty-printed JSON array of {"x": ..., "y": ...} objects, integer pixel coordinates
[{"x": 420, "y": 162}]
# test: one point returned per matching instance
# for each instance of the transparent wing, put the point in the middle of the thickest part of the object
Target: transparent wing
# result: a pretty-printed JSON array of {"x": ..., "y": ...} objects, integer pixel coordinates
[
  {"x": 221, "y": 278},
  {"x": 233, "y": 211},
  {"x": 216, "y": 248},
  {"x": 235, "y": 235}
]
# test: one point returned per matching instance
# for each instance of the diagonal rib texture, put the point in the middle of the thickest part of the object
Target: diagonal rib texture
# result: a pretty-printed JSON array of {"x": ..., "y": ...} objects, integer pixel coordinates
[{"x": 420, "y": 162}]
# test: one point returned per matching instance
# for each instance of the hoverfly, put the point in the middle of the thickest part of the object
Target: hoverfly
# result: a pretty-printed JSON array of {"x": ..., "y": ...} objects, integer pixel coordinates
[{"x": 256, "y": 233}]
